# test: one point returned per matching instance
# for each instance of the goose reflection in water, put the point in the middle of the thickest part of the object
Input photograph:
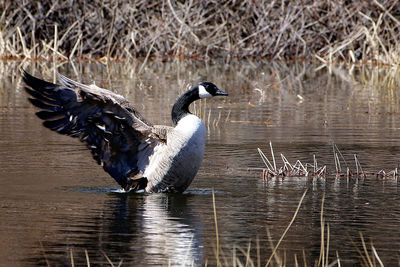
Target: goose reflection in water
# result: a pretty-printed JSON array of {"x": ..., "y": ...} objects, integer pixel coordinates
[
  {"x": 157, "y": 229},
  {"x": 168, "y": 235}
]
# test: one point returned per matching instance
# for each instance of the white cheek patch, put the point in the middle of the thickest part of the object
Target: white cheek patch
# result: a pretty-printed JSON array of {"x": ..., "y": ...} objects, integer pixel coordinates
[{"x": 203, "y": 92}]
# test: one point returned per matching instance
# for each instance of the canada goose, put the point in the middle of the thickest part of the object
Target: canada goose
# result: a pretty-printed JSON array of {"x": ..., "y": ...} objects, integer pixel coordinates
[{"x": 136, "y": 153}]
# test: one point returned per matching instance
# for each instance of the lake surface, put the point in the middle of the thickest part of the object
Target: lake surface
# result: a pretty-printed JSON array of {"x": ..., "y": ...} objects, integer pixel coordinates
[{"x": 55, "y": 200}]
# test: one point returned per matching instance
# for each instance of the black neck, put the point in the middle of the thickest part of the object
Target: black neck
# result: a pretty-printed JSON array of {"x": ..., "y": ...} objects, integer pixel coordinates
[{"x": 181, "y": 106}]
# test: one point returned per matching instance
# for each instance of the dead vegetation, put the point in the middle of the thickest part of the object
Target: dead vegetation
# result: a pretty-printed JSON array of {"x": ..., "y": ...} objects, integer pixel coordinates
[
  {"x": 354, "y": 30},
  {"x": 299, "y": 169},
  {"x": 368, "y": 255}
]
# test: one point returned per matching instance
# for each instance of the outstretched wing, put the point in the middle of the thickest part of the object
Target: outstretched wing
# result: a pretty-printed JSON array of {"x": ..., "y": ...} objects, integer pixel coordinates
[{"x": 113, "y": 130}]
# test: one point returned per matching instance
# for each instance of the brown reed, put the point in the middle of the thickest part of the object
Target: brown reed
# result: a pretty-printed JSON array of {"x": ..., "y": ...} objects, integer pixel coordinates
[
  {"x": 355, "y": 30},
  {"x": 300, "y": 169}
]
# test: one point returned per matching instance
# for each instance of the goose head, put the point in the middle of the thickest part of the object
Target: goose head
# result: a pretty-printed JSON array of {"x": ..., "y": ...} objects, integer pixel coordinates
[
  {"x": 199, "y": 91},
  {"x": 208, "y": 90}
]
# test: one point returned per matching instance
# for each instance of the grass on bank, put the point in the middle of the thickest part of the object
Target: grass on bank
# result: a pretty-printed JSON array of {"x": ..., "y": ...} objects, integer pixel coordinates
[{"x": 357, "y": 31}]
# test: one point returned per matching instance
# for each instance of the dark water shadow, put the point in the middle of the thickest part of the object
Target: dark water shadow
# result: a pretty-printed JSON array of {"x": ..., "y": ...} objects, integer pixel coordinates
[{"x": 140, "y": 229}]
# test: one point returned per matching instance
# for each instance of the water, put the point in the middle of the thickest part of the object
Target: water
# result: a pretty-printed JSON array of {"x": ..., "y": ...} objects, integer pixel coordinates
[{"x": 55, "y": 200}]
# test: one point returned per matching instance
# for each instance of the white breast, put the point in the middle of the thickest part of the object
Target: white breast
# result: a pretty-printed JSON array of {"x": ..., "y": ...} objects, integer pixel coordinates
[
  {"x": 176, "y": 163},
  {"x": 190, "y": 126}
]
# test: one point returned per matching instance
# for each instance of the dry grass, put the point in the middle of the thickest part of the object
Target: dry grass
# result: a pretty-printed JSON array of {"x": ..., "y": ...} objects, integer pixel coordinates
[
  {"x": 354, "y": 30},
  {"x": 288, "y": 169},
  {"x": 242, "y": 257},
  {"x": 299, "y": 169}
]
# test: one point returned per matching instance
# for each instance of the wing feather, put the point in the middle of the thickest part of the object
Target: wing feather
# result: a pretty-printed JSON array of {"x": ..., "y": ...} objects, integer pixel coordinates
[{"x": 114, "y": 131}]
